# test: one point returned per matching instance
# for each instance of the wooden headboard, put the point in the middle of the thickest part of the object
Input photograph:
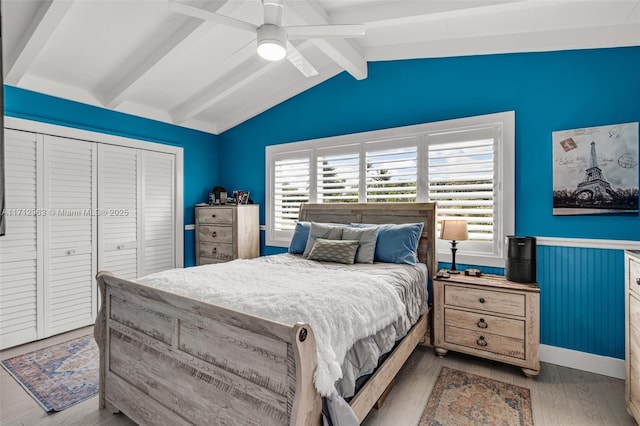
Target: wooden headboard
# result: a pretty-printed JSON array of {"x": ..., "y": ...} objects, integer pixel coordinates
[{"x": 382, "y": 213}]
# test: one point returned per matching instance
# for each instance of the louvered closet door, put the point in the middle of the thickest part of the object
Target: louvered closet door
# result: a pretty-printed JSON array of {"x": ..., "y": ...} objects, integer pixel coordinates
[
  {"x": 70, "y": 242},
  {"x": 118, "y": 183},
  {"x": 20, "y": 270},
  {"x": 158, "y": 213}
]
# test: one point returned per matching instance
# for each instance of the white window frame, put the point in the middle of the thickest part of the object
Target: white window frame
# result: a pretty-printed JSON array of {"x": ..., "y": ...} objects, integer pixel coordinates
[{"x": 502, "y": 126}]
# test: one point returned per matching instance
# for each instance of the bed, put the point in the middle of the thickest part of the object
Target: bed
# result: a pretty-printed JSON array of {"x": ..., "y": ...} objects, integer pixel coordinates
[{"x": 170, "y": 359}]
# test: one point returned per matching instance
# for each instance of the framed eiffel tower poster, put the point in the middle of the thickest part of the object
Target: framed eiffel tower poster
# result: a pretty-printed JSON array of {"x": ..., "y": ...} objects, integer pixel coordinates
[{"x": 595, "y": 170}]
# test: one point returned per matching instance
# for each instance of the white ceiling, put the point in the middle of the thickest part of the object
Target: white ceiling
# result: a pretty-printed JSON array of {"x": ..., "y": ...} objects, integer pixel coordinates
[{"x": 138, "y": 57}]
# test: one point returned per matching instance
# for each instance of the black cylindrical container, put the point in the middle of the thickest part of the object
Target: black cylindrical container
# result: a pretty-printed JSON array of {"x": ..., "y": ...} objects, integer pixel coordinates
[{"x": 521, "y": 259}]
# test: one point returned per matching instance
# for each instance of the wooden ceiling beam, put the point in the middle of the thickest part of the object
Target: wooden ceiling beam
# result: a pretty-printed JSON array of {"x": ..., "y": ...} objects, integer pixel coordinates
[
  {"x": 238, "y": 70},
  {"x": 344, "y": 52},
  {"x": 403, "y": 12},
  {"x": 43, "y": 24},
  {"x": 113, "y": 91}
]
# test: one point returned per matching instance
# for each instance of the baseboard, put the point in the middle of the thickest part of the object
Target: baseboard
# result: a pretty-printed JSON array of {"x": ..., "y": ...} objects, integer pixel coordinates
[{"x": 607, "y": 366}]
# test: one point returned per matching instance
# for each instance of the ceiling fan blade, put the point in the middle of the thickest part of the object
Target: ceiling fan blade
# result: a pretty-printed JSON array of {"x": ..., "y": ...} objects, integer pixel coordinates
[
  {"x": 272, "y": 12},
  {"x": 325, "y": 31},
  {"x": 205, "y": 15},
  {"x": 295, "y": 57}
]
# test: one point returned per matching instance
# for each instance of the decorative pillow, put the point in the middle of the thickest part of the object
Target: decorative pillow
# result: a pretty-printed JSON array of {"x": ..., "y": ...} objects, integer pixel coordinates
[
  {"x": 367, "y": 239},
  {"x": 338, "y": 251},
  {"x": 322, "y": 230},
  {"x": 396, "y": 243},
  {"x": 299, "y": 238}
]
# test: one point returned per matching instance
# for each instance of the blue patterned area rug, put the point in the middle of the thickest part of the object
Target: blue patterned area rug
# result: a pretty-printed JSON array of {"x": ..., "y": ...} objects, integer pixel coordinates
[{"x": 58, "y": 376}]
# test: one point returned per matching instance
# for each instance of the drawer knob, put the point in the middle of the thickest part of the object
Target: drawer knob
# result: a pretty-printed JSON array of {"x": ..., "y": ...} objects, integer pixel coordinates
[
  {"x": 214, "y": 234},
  {"x": 481, "y": 341},
  {"x": 481, "y": 300},
  {"x": 214, "y": 250},
  {"x": 213, "y": 215},
  {"x": 482, "y": 323},
  {"x": 638, "y": 281},
  {"x": 71, "y": 252}
]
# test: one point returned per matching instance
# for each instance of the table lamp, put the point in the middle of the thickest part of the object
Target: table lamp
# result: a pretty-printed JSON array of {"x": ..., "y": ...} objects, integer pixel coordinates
[{"x": 454, "y": 230}]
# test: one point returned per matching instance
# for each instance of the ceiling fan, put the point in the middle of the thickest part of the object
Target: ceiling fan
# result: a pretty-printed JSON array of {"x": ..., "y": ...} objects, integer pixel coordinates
[{"x": 272, "y": 37}]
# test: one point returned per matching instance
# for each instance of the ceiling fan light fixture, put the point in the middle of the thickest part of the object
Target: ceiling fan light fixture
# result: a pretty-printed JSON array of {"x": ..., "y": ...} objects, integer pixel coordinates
[{"x": 272, "y": 42}]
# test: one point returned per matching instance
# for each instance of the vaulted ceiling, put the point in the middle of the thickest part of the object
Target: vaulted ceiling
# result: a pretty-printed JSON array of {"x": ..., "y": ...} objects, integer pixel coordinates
[{"x": 142, "y": 57}]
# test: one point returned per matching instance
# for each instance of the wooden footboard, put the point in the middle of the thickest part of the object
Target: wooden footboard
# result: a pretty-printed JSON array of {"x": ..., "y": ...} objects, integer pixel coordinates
[{"x": 167, "y": 359}]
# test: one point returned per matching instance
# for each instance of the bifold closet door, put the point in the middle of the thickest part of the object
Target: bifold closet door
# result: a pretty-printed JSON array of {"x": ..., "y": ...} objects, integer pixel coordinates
[
  {"x": 70, "y": 195},
  {"x": 119, "y": 182},
  {"x": 20, "y": 266},
  {"x": 158, "y": 212}
]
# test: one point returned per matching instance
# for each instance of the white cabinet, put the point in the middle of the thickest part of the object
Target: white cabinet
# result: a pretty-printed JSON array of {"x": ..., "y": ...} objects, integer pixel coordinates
[
  {"x": 119, "y": 180},
  {"x": 74, "y": 208},
  {"x": 70, "y": 224},
  {"x": 158, "y": 212},
  {"x": 20, "y": 266}
]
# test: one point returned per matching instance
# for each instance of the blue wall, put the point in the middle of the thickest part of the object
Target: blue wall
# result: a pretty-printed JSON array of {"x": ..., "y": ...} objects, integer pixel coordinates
[
  {"x": 200, "y": 148},
  {"x": 548, "y": 91}
]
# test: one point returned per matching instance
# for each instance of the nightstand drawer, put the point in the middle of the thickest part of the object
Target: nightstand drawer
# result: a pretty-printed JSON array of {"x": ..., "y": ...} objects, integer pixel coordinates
[
  {"x": 485, "y": 300},
  {"x": 215, "y": 215},
  {"x": 215, "y": 234},
  {"x": 634, "y": 276},
  {"x": 484, "y": 323},
  {"x": 485, "y": 341},
  {"x": 219, "y": 251}
]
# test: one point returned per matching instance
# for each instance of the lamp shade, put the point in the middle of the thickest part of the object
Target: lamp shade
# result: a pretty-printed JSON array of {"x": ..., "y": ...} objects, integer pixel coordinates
[{"x": 454, "y": 230}]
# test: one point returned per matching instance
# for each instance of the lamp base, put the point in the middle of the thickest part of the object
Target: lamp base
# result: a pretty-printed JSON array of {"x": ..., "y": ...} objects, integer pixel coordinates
[{"x": 453, "y": 272}]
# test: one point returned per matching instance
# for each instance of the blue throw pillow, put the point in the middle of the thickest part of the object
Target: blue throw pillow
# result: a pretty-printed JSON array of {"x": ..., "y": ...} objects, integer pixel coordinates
[
  {"x": 299, "y": 238},
  {"x": 396, "y": 243}
]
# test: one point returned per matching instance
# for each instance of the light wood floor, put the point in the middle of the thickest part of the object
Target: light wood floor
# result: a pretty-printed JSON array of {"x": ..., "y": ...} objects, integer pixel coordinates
[{"x": 560, "y": 396}]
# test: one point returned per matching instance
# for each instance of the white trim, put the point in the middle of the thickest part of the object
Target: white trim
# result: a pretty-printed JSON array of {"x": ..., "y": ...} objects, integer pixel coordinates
[
  {"x": 588, "y": 243},
  {"x": 88, "y": 135},
  {"x": 190, "y": 227},
  {"x": 598, "y": 364}
]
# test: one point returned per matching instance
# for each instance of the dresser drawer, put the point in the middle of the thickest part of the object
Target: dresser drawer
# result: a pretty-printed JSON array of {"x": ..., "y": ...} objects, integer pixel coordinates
[
  {"x": 215, "y": 215},
  {"x": 634, "y": 276},
  {"x": 485, "y": 300},
  {"x": 215, "y": 234},
  {"x": 484, "y": 323},
  {"x": 219, "y": 251},
  {"x": 486, "y": 342}
]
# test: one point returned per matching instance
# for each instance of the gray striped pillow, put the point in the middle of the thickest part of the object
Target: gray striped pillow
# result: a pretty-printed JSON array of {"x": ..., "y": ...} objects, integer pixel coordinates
[{"x": 338, "y": 251}]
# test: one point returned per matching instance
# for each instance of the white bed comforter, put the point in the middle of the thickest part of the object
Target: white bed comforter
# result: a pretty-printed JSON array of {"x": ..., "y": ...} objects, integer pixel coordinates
[{"x": 342, "y": 305}]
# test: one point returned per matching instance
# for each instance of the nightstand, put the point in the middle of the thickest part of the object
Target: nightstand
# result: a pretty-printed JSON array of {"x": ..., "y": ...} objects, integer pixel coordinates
[{"x": 489, "y": 317}]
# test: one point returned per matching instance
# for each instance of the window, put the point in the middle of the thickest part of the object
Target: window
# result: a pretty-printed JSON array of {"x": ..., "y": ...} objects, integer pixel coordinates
[{"x": 465, "y": 165}]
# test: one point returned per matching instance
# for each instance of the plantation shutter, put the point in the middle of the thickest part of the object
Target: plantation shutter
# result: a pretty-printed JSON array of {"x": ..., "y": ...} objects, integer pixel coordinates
[
  {"x": 461, "y": 181},
  {"x": 338, "y": 175},
  {"x": 292, "y": 174},
  {"x": 391, "y": 172}
]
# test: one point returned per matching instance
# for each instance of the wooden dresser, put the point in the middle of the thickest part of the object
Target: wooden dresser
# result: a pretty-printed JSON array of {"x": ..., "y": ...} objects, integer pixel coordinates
[
  {"x": 225, "y": 233},
  {"x": 489, "y": 317},
  {"x": 632, "y": 333}
]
